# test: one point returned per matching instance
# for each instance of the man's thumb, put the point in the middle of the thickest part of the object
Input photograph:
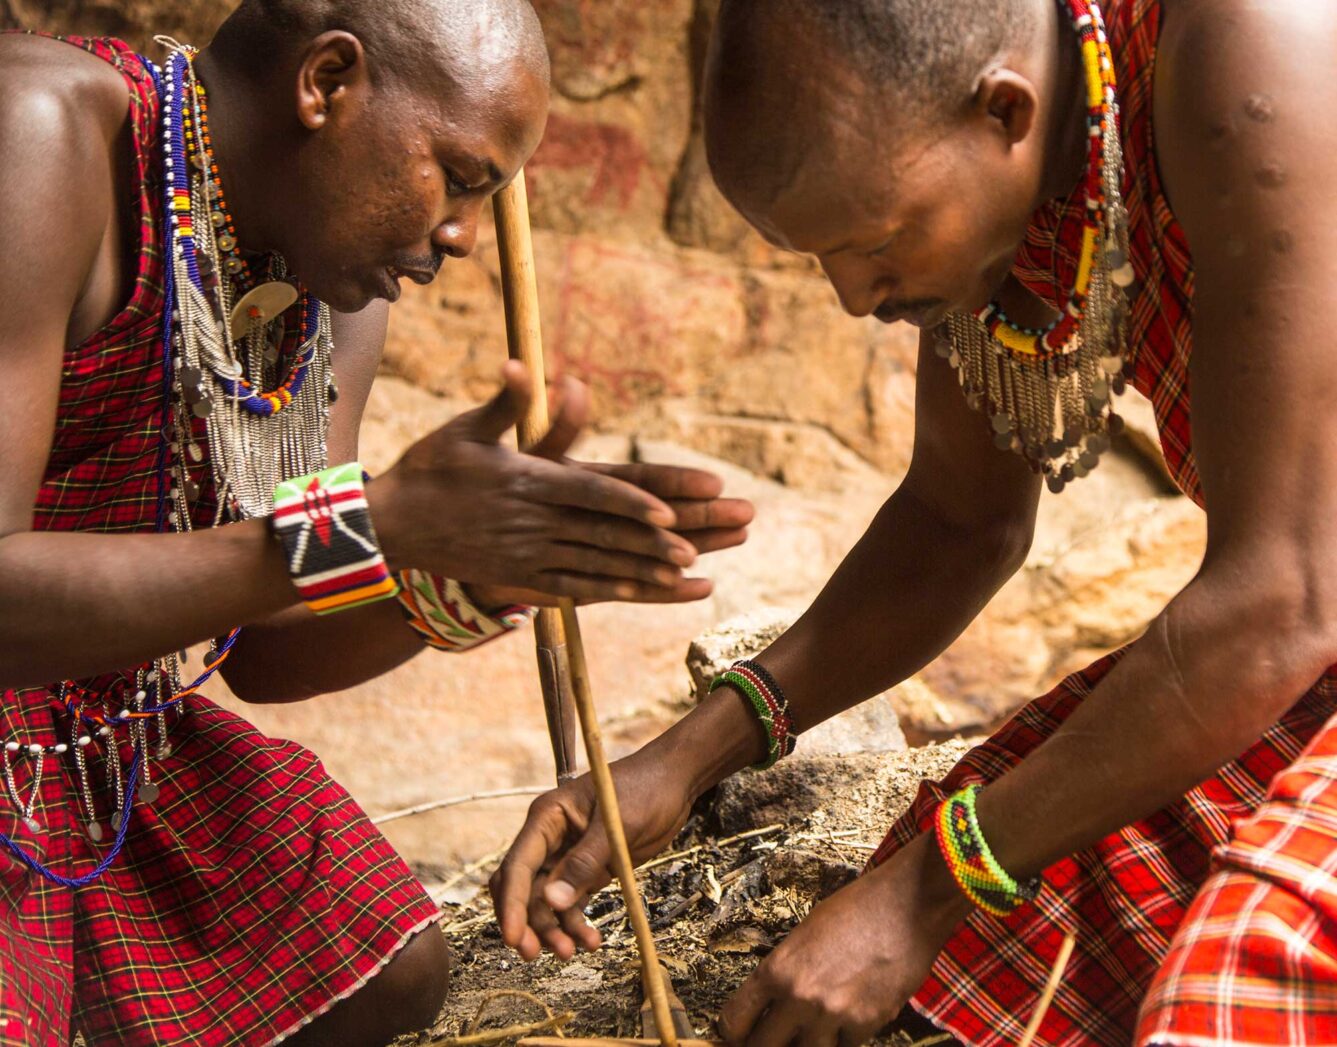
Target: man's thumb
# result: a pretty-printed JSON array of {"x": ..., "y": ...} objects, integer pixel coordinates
[
  {"x": 488, "y": 423},
  {"x": 581, "y": 872}
]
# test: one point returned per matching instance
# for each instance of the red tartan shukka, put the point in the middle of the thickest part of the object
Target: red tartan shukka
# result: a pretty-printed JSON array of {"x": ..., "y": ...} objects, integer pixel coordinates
[{"x": 253, "y": 893}]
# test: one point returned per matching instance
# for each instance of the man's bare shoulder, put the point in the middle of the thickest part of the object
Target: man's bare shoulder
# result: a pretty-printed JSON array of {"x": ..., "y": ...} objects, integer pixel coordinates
[
  {"x": 50, "y": 90},
  {"x": 1209, "y": 37}
]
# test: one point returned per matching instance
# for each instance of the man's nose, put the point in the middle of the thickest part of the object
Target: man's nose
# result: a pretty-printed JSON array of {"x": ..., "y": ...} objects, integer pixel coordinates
[
  {"x": 457, "y": 235},
  {"x": 856, "y": 284}
]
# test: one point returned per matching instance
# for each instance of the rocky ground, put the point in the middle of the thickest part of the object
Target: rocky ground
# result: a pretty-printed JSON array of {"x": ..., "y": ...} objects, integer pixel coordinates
[{"x": 752, "y": 862}]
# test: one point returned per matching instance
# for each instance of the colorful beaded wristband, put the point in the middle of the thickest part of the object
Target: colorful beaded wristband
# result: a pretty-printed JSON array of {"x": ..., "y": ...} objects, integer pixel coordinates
[
  {"x": 333, "y": 556},
  {"x": 972, "y": 864},
  {"x": 440, "y": 611},
  {"x": 768, "y": 702}
]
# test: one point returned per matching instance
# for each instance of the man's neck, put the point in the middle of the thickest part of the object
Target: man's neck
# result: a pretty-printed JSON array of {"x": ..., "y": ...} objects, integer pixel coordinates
[
  {"x": 236, "y": 140},
  {"x": 1066, "y": 148}
]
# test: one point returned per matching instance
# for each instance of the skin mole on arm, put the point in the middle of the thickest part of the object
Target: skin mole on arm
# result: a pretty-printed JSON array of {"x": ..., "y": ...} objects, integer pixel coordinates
[
  {"x": 1259, "y": 107},
  {"x": 1271, "y": 175}
]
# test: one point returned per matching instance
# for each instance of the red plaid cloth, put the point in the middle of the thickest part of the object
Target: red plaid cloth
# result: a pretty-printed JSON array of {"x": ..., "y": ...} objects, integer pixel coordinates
[
  {"x": 253, "y": 894},
  {"x": 1252, "y": 951}
]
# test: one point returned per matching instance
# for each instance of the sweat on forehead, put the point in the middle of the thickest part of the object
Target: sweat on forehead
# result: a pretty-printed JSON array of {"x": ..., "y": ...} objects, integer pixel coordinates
[
  {"x": 822, "y": 63},
  {"x": 463, "y": 38}
]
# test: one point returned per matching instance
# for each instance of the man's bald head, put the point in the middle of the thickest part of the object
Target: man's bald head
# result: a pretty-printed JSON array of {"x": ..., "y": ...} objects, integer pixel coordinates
[
  {"x": 782, "y": 72},
  {"x": 466, "y": 39},
  {"x": 362, "y": 139}
]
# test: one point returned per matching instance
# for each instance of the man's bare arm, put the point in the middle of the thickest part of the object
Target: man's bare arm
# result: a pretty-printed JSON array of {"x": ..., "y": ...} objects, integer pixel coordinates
[
  {"x": 1247, "y": 166},
  {"x": 956, "y": 529}
]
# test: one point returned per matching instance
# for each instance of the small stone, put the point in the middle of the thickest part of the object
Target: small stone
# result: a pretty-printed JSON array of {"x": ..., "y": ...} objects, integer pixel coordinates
[{"x": 95, "y": 831}]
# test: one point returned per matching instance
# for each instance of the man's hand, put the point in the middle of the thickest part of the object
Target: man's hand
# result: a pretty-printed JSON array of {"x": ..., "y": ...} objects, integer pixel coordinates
[
  {"x": 461, "y": 505},
  {"x": 561, "y": 856},
  {"x": 849, "y": 968},
  {"x": 709, "y": 522}
]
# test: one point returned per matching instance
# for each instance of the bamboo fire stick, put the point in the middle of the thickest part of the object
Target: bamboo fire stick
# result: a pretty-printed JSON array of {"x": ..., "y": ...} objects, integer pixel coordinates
[
  {"x": 520, "y": 294},
  {"x": 524, "y": 336}
]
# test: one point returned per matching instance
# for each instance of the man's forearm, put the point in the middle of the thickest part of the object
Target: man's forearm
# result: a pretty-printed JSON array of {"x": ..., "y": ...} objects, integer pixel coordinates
[
  {"x": 298, "y": 655},
  {"x": 1205, "y": 682},
  {"x": 74, "y": 605},
  {"x": 902, "y": 595}
]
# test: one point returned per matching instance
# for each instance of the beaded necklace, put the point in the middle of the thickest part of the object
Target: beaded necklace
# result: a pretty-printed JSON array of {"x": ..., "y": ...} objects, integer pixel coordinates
[
  {"x": 1047, "y": 390},
  {"x": 230, "y": 338}
]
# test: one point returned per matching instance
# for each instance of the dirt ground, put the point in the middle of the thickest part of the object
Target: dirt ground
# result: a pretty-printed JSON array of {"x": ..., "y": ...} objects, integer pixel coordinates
[{"x": 752, "y": 862}]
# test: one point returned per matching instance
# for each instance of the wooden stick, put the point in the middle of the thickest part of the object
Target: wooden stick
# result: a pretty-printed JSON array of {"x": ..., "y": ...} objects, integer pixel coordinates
[
  {"x": 1051, "y": 987},
  {"x": 576, "y": 1041},
  {"x": 523, "y": 332},
  {"x": 524, "y": 336}
]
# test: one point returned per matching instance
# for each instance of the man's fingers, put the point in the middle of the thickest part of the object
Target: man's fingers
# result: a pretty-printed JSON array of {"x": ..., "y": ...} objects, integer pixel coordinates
[
  {"x": 782, "y": 1025},
  {"x": 714, "y": 514},
  {"x": 714, "y": 541},
  {"x": 589, "y": 588},
  {"x": 666, "y": 481},
  {"x": 585, "y": 559},
  {"x": 584, "y": 489},
  {"x": 513, "y": 882},
  {"x": 543, "y": 921},
  {"x": 574, "y": 923},
  {"x": 744, "y": 1009},
  {"x": 622, "y": 535},
  {"x": 580, "y": 872},
  {"x": 572, "y": 404},
  {"x": 488, "y": 423}
]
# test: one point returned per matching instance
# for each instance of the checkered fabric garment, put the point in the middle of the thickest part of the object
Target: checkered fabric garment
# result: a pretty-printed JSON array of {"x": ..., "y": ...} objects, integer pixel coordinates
[
  {"x": 1245, "y": 954},
  {"x": 254, "y": 893}
]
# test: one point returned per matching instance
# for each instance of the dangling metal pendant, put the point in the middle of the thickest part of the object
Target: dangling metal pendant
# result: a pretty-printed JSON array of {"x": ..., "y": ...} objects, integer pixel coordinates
[
  {"x": 261, "y": 304},
  {"x": 95, "y": 831},
  {"x": 148, "y": 792},
  {"x": 33, "y": 825}
]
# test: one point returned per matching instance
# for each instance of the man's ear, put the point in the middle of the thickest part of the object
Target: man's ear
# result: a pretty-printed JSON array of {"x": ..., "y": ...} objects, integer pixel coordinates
[
  {"x": 1010, "y": 101},
  {"x": 333, "y": 68}
]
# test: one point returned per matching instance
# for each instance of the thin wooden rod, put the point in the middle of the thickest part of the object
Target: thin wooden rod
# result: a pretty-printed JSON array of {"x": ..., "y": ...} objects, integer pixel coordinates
[
  {"x": 524, "y": 337},
  {"x": 520, "y": 292}
]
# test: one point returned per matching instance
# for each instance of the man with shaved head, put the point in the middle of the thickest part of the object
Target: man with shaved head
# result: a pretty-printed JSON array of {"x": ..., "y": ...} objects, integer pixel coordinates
[
  {"x": 1066, "y": 199},
  {"x": 197, "y": 262}
]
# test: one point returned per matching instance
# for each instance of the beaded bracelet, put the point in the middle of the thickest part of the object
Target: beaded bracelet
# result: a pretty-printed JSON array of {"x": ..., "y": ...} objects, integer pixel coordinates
[
  {"x": 440, "y": 611},
  {"x": 333, "y": 556},
  {"x": 768, "y": 702},
  {"x": 972, "y": 865}
]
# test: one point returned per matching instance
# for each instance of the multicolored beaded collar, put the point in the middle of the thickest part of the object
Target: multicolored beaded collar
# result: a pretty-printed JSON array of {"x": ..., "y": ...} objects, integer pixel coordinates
[{"x": 1047, "y": 390}]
